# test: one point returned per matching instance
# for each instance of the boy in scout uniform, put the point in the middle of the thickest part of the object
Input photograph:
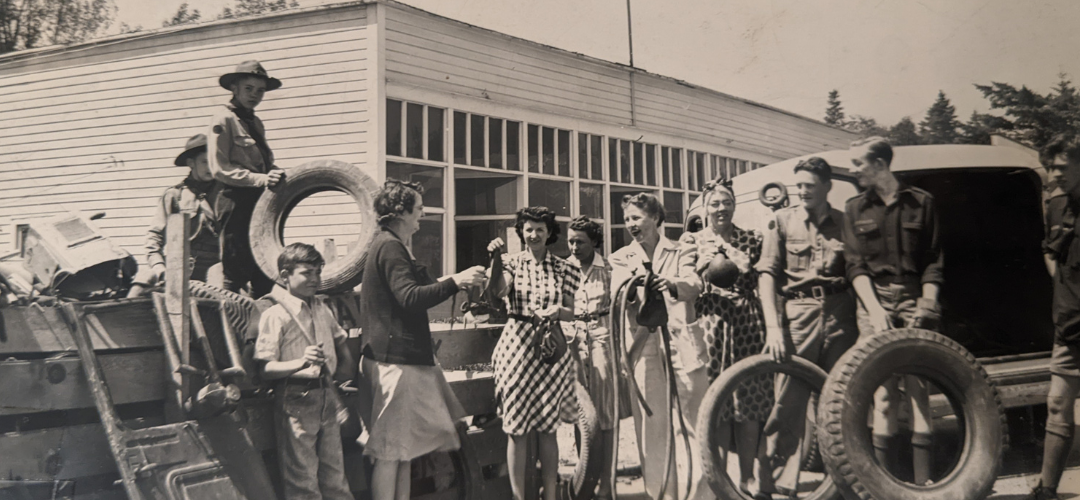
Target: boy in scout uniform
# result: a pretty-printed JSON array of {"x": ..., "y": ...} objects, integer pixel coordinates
[
  {"x": 894, "y": 262},
  {"x": 242, "y": 161},
  {"x": 194, "y": 195},
  {"x": 1061, "y": 157},
  {"x": 802, "y": 260}
]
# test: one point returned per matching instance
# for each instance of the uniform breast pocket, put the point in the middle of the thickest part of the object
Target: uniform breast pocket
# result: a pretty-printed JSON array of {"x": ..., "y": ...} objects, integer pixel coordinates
[
  {"x": 244, "y": 148},
  {"x": 869, "y": 237},
  {"x": 798, "y": 255},
  {"x": 912, "y": 236}
]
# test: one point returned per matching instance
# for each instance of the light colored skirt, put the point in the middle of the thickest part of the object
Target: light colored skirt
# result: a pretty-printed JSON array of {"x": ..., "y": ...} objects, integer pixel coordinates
[{"x": 413, "y": 411}]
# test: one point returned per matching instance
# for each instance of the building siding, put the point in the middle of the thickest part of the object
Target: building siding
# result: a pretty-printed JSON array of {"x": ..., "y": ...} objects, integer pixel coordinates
[
  {"x": 96, "y": 128},
  {"x": 428, "y": 52}
]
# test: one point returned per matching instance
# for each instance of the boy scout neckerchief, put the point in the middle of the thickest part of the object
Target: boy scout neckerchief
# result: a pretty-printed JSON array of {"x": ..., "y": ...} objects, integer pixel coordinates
[{"x": 247, "y": 119}]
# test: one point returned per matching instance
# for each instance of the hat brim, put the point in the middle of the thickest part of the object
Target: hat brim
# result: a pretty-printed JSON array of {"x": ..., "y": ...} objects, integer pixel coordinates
[
  {"x": 181, "y": 161},
  {"x": 228, "y": 79}
]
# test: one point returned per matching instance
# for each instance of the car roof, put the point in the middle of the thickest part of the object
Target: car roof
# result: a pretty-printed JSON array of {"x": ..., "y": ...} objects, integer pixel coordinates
[{"x": 907, "y": 158}]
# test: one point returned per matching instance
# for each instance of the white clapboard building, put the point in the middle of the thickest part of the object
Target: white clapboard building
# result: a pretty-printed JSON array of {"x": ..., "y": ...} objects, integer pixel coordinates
[{"x": 488, "y": 122}]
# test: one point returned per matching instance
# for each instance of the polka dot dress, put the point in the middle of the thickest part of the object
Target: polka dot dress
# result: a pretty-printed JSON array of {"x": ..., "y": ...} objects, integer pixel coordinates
[{"x": 734, "y": 326}]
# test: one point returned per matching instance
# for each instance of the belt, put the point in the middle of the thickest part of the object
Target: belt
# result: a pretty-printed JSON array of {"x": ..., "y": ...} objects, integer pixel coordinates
[
  {"x": 307, "y": 383},
  {"x": 593, "y": 316},
  {"x": 521, "y": 317},
  {"x": 816, "y": 292},
  {"x": 892, "y": 279}
]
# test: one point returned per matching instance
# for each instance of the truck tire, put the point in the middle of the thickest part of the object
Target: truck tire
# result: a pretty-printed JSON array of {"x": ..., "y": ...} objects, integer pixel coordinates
[
  {"x": 847, "y": 400},
  {"x": 273, "y": 207},
  {"x": 582, "y": 484},
  {"x": 713, "y": 465}
]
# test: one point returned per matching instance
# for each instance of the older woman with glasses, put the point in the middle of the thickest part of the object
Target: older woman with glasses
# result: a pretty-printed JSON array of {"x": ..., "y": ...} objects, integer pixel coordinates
[{"x": 733, "y": 321}]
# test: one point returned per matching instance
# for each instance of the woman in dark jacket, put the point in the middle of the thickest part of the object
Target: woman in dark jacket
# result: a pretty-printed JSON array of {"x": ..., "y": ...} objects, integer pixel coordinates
[{"x": 413, "y": 407}]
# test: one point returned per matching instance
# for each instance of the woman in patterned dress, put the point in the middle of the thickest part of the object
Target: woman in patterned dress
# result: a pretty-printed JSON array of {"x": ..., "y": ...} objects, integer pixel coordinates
[
  {"x": 536, "y": 284},
  {"x": 733, "y": 321}
]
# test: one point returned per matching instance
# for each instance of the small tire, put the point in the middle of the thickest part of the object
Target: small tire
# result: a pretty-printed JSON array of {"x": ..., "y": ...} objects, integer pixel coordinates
[
  {"x": 713, "y": 465},
  {"x": 582, "y": 484},
  {"x": 273, "y": 207},
  {"x": 773, "y": 202},
  {"x": 848, "y": 397}
]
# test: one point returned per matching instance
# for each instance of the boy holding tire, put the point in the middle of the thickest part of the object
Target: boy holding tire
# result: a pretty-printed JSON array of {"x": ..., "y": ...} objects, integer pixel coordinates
[
  {"x": 1061, "y": 157},
  {"x": 242, "y": 161},
  {"x": 894, "y": 262},
  {"x": 802, "y": 261}
]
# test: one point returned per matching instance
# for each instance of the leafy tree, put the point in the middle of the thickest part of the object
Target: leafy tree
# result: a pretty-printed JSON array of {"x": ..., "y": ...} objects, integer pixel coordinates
[
  {"x": 25, "y": 24},
  {"x": 244, "y": 8},
  {"x": 834, "y": 114},
  {"x": 903, "y": 133},
  {"x": 182, "y": 16},
  {"x": 127, "y": 28},
  {"x": 1030, "y": 117},
  {"x": 940, "y": 125}
]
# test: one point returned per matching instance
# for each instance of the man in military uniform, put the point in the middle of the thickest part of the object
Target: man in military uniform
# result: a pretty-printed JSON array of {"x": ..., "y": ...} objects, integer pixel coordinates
[
  {"x": 802, "y": 260},
  {"x": 894, "y": 262},
  {"x": 1061, "y": 157},
  {"x": 242, "y": 161}
]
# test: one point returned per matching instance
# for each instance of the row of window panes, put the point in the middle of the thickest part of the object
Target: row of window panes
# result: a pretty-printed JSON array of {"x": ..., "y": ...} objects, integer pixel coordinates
[
  {"x": 414, "y": 130},
  {"x": 482, "y": 141}
]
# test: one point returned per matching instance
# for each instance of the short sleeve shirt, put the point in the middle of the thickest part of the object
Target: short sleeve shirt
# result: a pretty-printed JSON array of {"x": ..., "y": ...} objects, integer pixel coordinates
[
  {"x": 594, "y": 295},
  {"x": 536, "y": 285},
  {"x": 1062, "y": 244},
  {"x": 290, "y": 326},
  {"x": 802, "y": 252}
]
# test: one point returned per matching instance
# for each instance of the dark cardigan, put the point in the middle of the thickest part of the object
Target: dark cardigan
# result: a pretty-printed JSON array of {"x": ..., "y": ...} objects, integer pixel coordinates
[{"x": 394, "y": 300}]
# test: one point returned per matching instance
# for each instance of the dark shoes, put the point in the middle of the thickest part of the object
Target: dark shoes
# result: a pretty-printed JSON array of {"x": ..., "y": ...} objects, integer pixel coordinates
[{"x": 1042, "y": 493}]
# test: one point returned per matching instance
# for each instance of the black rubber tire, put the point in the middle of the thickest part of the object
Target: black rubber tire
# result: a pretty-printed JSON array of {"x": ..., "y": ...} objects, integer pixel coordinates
[
  {"x": 848, "y": 397},
  {"x": 268, "y": 220},
  {"x": 777, "y": 202},
  {"x": 811, "y": 461},
  {"x": 713, "y": 466},
  {"x": 582, "y": 485}
]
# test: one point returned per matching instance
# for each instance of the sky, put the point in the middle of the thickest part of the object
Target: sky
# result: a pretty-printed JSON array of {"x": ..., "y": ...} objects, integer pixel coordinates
[{"x": 888, "y": 59}]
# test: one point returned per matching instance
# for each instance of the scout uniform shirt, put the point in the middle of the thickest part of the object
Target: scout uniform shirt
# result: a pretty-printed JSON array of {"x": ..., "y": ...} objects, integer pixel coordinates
[
  {"x": 290, "y": 326},
  {"x": 193, "y": 197},
  {"x": 1062, "y": 245},
  {"x": 803, "y": 254},
  {"x": 899, "y": 240},
  {"x": 237, "y": 150}
]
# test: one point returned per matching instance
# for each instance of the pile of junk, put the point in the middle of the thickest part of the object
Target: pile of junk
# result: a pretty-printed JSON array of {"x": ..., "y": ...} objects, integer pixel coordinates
[{"x": 88, "y": 411}]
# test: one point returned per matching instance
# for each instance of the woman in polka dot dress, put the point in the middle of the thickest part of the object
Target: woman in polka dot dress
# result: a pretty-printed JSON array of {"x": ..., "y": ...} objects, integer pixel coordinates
[
  {"x": 535, "y": 283},
  {"x": 733, "y": 321}
]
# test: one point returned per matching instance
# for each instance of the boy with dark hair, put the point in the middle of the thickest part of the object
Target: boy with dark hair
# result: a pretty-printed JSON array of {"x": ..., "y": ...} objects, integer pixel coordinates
[
  {"x": 1062, "y": 249},
  {"x": 301, "y": 346},
  {"x": 802, "y": 260}
]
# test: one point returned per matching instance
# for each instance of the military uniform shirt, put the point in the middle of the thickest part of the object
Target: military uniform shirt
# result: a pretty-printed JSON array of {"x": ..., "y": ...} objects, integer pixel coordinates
[
  {"x": 1062, "y": 245},
  {"x": 900, "y": 239},
  {"x": 800, "y": 252}
]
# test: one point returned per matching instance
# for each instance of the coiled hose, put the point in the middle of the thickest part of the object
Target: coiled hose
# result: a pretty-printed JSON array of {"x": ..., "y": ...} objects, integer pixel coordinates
[{"x": 629, "y": 358}]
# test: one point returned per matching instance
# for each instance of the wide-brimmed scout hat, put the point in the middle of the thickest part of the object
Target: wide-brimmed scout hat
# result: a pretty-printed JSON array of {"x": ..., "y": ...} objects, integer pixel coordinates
[
  {"x": 248, "y": 68},
  {"x": 194, "y": 146}
]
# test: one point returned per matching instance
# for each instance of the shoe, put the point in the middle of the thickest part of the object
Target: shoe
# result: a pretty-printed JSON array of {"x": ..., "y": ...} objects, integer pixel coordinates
[{"x": 1042, "y": 493}]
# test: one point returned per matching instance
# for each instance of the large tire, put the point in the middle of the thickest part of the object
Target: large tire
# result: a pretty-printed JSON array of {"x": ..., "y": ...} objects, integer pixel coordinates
[
  {"x": 268, "y": 221},
  {"x": 723, "y": 389},
  {"x": 847, "y": 400},
  {"x": 582, "y": 484}
]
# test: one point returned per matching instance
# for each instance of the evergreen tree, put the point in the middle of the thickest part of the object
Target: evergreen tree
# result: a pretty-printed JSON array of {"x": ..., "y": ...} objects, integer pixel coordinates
[
  {"x": 1032, "y": 118},
  {"x": 903, "y": 133},
  {"x": 182, "y": 16},
  {"x": 834, "y": 114},
  {"x": 865, "y": 126},
  {"x": 940, "y": 125}
]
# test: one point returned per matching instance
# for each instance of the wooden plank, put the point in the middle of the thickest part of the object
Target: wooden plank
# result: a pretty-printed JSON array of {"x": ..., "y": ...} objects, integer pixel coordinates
[
  {"x": 177, "y": 291},
  {"x": 60, "y": 453},
  {"x": 467, "y": 346},
  {"x": 476, "y": 394},
  {"x": 39, "y": 385},
  {"x": 38, "y": 330}
]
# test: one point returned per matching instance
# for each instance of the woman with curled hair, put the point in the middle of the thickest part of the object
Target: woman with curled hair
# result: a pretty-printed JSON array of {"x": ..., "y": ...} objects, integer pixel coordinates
[
  {"x": 414, "y": 411},
  {"x": 679, "y": 285},
  {"x": 537, "y": 285},
  {"x": 732, "y": 320}
]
